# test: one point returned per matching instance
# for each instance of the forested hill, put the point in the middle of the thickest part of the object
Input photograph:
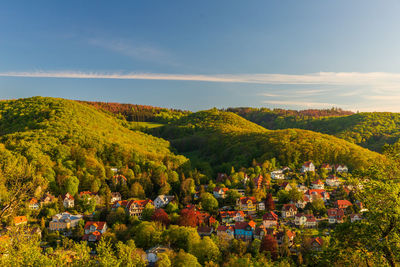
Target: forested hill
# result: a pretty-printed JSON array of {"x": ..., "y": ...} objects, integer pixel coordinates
[
  {"x": 67, "y": 140},
  {"x": 371, "y": 130},
  {"x": 224, "y": 139}
]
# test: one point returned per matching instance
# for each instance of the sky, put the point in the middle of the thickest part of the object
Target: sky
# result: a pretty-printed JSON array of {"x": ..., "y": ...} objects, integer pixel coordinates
[{"x": 197, "y": 55}]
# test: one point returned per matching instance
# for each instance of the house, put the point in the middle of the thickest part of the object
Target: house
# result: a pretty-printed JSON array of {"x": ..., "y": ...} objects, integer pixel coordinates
[
  {"x": 317, "y": 193},
  {"x": 204, "y": 230},
  {"x": 247, "y": 204},
  {"x": 89, "y": 196},
  {"x": 114, "y": 170},
  {"x": 220, "y": 192},
  {"x": 302, "y": 188},
  {"x": 270, "y": 219},
  {"x": 152, "y": 254},
  {"x": 335, "y": 215},
  {"x": 115, "y": 196},
  {"x": 241, "y": 192},
  {"x": 232, "y": 216},
  {"x": 332, "y": 180},
  {"x": 289, "y": 210},
  {"x": 316, "y": 243},
  {"x": 63, "y": 221},
  {"x": 261, "y": 231},
  {"x": 118, "y": 204},
  {"x": 301, "y": 204},
  {"x": 341, "y": 168},
  {"x": 308, "y": 167},
  {"x": 355, "y": 217},
  {"x": 68, "y": 201},
  {"x": 318, "y": 184},
  {"x": 277, "y": 175},
  {"x": 162, "y": 201},
  {"x": 286, "y": 186},
  {"x": 226, "y": 232},
  {"x": 261, "y": 206},
  {"x": 20, "y": 220},
  {"x": 258, "y": 181},
  {"x": 47, "y": 199},
  {"x": 94, "y": 231},
  {"x": 136, "y": 207},
  {"x": 244, "y": 230},
  {"x": 342, "y": 204},
  {"x": 34, "y": 204},
  {"x": 119, "y": 179},
  {"x": 280, "y": 236},
  {"x": 326, "y": 166},
  {"x": 307, "y": 220}
]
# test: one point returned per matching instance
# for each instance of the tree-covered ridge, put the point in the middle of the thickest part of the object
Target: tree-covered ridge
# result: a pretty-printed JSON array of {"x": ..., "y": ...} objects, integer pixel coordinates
[
  {"x": 368, "y": 129},
  {"x": 224, "y": 139},
  {"x": 139, "y": 113},
  {"x": 65, "y": 139}
]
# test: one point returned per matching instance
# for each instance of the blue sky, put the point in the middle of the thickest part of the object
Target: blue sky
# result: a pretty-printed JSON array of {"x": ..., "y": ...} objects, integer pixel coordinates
[{"x": 202, "y": 54}]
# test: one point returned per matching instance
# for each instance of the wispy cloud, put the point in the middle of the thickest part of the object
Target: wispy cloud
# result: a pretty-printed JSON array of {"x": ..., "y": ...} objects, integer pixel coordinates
[
  {"x": 379, "y": 79},
  {"x": 301, "y": 104}
]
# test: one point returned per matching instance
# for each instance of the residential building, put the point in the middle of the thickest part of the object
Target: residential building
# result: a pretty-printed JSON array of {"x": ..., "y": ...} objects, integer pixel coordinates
[
  {"x": 258, "y": 181},
  {"x": 226, "y": 232},
  {"x": 355, "y": 217},
  {"x": 332, "y": 180},
  {"x": 63, "y": 221},
  {"x": 306, "y": 220},
  {"x": 247, "y": 204},
  {"x": 342, "y": 204},
  {"x": 20, "y": 220},
  {"x": 340, "y": 168},
  {"x": 270, "y": 219},
  {"x": 136, "y": 207},
  {"x": 34, "y": 204},
  {"x": 119, "y": 179},
  {"x": 115, "y": 196},
  {"x": 289, "y": 210},
  {"x": 204, "y": 230},
  {"x": 317, "y": 193},
  {"x": 277, "y": 175},
  {"x": 94, "y": 231},
  {"x": 244, "y": 230},
  {"x": 89, "y": 196},
  {"x": 286, "y": 186},
  {"x": 326, "y": 166},
  {"x": 318, "y": 184},
  {"x": 47, "y": 199},
  {"x": 220, "y": 192},
  {"x": 68, "y": 201},
  {"x": 162, "y": 201},
  {"x": 316, "y": 243},
  {"x": 335, "y": 215},
  {"x": 308, "y": 167},
  {"x": 232, "y": 216}
]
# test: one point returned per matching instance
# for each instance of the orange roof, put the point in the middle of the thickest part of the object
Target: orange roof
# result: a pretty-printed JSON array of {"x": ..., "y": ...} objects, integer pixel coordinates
[
  {"x": 20, "y": 219},
  {"x": 252, "y": 224},
  {"x": 33, "y": 201},
  {"x": 98, "y": 225}
]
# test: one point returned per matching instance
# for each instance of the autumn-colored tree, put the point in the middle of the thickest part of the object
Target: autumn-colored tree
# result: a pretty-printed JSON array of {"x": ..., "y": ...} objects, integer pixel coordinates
[
  {"x": 188, "y": 217},
  {"x": 269, "y": 203},
  {"x": 270, "y": 245},
  {"x": 161, "y": 216}
]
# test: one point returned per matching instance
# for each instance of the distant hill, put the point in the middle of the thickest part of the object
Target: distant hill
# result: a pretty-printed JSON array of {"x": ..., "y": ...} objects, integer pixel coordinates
[
  {"x": 64, "y": 138},
  {"x": 370, "y": 129},
  {"x": 225, "y": 139}
]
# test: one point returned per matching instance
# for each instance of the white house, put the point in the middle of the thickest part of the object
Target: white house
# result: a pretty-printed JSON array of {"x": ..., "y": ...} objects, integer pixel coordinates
[
  {"x": 341, "y": 168},
  {"x": 220, "y": 192},
  {"x": 289, "y": 210},
  {"x": 115, "y": 196},
  {"x": 277, "y": 175},
  {"x": 307, "y": 220},
  {"x": 308, "y": 167},
  {"x": 68, "y": 201},
  {"x": 332, "y": 181},
  {"x": 162, "y": 201},
  {"x": 318, "y": 184}
]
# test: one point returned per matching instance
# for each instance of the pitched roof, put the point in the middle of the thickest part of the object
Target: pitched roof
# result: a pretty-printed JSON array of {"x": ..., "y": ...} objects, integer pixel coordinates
[
  {"x": 33, "y": 201},
  {"x": 20, "y": 219},
  {"x": 224, "y": 228},
  {"x": 204, "y": 229},
  {"x": 307, "y": 164},
  {"x": 287, "y": 207},
  {"x": 68, "y": 196},
  {"x": 318, "y": 182},
  {"x": 270, "y": 216},
  {"x": 343, "y": 203},
  {"x": 99, "y": 225},
  {"x": 317, "y": 240},
  {"x": 241, "y": 225},
  {"x": 244, "y": 200}
]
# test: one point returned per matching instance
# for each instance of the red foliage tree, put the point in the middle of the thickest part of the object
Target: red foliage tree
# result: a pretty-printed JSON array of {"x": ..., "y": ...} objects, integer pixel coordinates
[
  {"x": 270, "y": 245},
  {"x": 269, "y": 203},
  {"x": 188, "y": 218},
  {"x": 161, "y": 216}
]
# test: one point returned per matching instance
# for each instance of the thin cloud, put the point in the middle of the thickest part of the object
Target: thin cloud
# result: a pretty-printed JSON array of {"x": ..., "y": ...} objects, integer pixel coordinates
[
  {"x": 371, "y": 79},
  {"x": 301, "y": 103}
]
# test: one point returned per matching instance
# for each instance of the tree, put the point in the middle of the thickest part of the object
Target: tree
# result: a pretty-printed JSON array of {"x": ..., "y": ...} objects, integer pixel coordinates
[
  {"x": 161, "y": 216},
  {"x": 269, "y": 203},
  {"x": 205, "y": 250},
  {"x": 188, "y": 217},
  {"x": 295, "y": 195},
  {"x": 148, "y": 212},
  {"x": 128, "y": 255},
  {"x": 137, "y": 190},
  {"x": 270, "y": 245},
  {"x": 71, "y": 185},
  {"x": 105, "y": 254},
  {"x": 231, "y": 197},
  {"x": 146, "y": 235},
  {"x": 180, "y": 237},
  {"x": 183, "y": 259},
  {"x": 208, "y": 202}
]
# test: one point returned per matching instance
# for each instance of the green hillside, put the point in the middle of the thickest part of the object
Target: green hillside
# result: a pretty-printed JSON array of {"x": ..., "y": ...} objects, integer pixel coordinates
[
  {"x": 225, "y": 139},
  {"x": 64, "y": 138},
  {"x": 371, "y": 130}
]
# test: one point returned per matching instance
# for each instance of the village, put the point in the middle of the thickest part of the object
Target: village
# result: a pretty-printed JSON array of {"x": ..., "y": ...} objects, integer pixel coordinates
[{"x": 286, "y": 211}]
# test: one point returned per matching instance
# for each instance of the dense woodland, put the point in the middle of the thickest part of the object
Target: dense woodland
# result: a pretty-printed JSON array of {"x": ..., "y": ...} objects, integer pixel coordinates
[{"x": 62, "y": 146}]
